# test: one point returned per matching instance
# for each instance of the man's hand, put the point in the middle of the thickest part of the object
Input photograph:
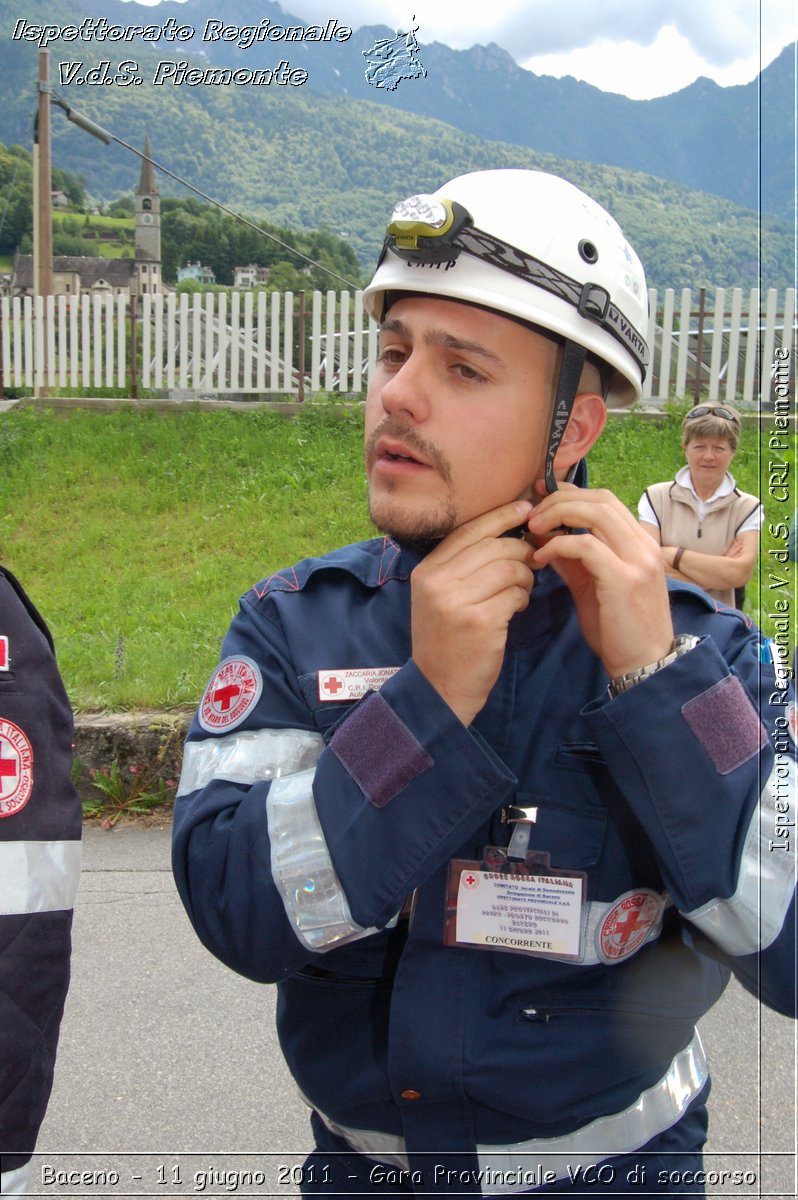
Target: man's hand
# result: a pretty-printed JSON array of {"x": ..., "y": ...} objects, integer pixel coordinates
[
  {"x": 614, "y": 572},
  {"x": 464, "y": 594}
]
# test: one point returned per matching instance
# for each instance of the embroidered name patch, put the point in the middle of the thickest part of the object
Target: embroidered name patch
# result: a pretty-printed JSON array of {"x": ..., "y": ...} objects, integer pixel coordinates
[
  {"x": 628, "y": 925},
  {"x": 352, "y": 683},
  {"x": 16, "y": 769},
  {"x": 233, "y": 691}
]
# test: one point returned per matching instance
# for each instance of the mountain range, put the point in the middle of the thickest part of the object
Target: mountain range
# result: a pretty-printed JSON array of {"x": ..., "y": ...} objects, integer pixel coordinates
[
  {"x": 702, "y": 180},
  {"x": 710, "y": 138}
]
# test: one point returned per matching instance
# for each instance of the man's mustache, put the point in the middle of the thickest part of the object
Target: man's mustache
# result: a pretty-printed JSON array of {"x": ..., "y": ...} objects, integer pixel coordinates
[{"x": 426, "y": 451}]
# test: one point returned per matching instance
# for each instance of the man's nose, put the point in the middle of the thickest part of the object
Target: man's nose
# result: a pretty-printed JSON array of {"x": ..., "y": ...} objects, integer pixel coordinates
[{"x": 406, "y": 392}]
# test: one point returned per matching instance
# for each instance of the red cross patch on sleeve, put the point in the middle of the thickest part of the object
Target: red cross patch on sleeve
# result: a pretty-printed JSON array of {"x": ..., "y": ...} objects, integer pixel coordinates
[
  {"x": 16, "y": 769},
  {"x": 631, "y": 921},
  {"x": 232, "y": 693}
]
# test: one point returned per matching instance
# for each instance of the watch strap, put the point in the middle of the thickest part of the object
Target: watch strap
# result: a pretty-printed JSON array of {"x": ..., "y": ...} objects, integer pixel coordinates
[{"x": 622, "y": 683}]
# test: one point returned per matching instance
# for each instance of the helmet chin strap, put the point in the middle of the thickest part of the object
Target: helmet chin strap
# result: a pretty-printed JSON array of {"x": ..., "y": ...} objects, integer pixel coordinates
[{"x": 573, "y": 360}]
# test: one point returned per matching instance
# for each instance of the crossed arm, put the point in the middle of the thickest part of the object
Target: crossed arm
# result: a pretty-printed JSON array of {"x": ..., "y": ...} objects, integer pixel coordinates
[{"x": 732, "y": 569}]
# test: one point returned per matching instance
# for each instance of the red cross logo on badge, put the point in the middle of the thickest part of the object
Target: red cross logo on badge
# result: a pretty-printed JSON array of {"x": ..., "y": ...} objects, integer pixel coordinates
[
  {"x": 333, "y": 685},
  {"x": 16, "y": 769},
  {"x": 628, "y": 925},
  {"x": 233, "y": 691},
  {"x": 471, "y": 880}
]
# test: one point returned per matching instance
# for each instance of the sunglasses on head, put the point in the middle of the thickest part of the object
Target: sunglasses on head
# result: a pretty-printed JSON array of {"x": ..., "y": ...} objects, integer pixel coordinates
[{"x": 706, "y": 410}]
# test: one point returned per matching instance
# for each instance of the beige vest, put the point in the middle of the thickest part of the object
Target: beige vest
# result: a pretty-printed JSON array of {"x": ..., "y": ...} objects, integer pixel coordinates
[{"x": 676, "y": 510}]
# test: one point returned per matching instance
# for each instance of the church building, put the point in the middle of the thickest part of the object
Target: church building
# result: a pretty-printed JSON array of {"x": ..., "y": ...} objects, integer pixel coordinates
[{"x": 80, "y": 275}]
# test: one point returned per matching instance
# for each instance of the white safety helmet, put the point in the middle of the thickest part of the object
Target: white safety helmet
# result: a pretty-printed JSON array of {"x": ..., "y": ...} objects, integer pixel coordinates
[{"x": 535, "y": 247}]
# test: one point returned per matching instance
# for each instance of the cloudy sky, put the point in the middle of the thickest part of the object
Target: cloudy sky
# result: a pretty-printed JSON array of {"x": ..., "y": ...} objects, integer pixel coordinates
[{"x": 643, "y": 48}]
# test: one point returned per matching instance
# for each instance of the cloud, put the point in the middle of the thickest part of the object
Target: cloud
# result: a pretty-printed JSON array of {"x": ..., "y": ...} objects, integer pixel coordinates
[
  {"x": 641, "y": 48},
  {"x": 719, "y": 31},
  {"x": 717, "y": 36},
  {"x": 641, "y": 72}
]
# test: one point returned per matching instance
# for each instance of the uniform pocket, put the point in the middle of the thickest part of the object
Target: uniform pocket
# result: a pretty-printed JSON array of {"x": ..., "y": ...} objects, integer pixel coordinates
[{"x": 313, "y": 1007}]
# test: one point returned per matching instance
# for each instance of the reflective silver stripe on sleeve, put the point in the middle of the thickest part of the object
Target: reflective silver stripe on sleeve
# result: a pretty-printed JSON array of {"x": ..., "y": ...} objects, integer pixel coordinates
[
  {"x": 302, "y": 868},
  {"x": 753, "y": 917},
  {"x": 248, "y": 757},
  {"x": 38, "y": 876},
  {"x": 301, "y": 865},
  {"x": 654, "y": 1111}
]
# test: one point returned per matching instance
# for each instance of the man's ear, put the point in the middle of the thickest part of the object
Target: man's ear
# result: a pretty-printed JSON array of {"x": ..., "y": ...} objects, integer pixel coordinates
[{"x": 587, "y": 420}]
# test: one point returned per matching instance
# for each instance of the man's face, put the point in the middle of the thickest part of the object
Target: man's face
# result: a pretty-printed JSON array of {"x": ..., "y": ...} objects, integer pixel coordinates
[{"x": 457, "y": 415}]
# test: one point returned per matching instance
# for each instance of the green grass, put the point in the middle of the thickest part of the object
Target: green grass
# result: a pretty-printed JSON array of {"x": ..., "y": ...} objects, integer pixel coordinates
[
  {"x": 122, "y": 225},
  {"x": 136, "y": 531},
  {"x": 84, "y": 234}
]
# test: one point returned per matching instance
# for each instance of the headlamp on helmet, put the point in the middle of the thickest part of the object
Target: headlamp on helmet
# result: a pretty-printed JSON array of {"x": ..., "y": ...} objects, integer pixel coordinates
[{"x": 422, "y": 228}]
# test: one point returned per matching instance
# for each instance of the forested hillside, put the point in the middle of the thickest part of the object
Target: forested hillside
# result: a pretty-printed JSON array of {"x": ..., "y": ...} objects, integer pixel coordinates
[{"x": 304, "y": 160}]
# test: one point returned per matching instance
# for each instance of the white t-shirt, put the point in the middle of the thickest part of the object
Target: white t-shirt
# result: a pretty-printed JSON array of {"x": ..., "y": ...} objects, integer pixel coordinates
[{"x": 753, "y": 523}]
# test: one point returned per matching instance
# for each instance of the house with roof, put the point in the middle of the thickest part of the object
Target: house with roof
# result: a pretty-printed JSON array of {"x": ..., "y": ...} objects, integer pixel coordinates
[
  {"x": 250, "y": 276},
  {"x": 196, "y": 272}
]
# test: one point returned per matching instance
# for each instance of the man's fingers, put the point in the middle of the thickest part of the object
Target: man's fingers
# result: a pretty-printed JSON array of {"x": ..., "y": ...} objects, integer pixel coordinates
[
  {"x": 492, "y": 577},
  {"x": 487, "y": 525},
  {"x": 601, "y": 513}
]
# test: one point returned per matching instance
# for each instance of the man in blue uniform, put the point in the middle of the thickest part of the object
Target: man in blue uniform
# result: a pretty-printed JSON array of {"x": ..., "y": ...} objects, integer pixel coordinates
[
  {"x": 495, "y": 806},
  {"x": 40, "y": 832}
]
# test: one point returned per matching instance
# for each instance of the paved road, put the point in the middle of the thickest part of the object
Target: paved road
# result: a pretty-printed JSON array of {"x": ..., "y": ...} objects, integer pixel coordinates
[{"x": 169, "y": 1069}]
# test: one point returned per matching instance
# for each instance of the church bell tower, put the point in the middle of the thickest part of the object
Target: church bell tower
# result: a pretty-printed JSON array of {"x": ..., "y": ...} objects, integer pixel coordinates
[{"x": 148, "y": 228}]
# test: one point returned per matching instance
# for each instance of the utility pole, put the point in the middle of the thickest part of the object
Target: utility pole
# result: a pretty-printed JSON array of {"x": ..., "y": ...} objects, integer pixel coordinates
[
  {"x": 42, "y": 207},
  {"x": 43, "y": 224}
]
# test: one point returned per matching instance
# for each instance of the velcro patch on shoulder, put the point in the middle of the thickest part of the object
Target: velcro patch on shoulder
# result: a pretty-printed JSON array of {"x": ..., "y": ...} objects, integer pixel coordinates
[
  {"x": 726, "y": 724},
  {"x": 378, "y": 750}
]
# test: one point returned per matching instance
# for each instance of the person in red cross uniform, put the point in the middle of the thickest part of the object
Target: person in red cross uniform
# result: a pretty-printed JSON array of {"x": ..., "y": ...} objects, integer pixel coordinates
[
  {"x": 500, "y": 875},
  {"x": 40, "y": 844}
]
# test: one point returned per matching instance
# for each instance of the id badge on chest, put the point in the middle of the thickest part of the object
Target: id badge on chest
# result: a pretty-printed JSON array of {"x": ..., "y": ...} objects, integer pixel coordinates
[{"x": 513, "y": 900}]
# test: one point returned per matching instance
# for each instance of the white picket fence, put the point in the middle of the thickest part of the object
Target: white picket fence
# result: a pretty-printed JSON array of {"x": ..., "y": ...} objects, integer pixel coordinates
[{"x": 212, "y": 344}]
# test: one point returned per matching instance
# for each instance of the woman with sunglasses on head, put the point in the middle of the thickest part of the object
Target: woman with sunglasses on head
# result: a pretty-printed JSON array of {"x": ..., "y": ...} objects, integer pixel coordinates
[{"x": 708, "y": 530}]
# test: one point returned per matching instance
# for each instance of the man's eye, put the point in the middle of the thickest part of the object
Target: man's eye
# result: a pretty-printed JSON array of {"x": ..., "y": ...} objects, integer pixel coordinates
[
  {"x": 466, "y": 371},
  {"x": 391, "y": 355}
]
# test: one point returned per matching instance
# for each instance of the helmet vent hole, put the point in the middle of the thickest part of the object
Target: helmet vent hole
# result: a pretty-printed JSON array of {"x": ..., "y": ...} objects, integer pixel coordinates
[{"x": 588, "y": 251}]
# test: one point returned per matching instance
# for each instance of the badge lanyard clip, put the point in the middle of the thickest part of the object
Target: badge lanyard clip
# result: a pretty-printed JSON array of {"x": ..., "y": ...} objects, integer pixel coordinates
[{"x": 523, "y": 818}]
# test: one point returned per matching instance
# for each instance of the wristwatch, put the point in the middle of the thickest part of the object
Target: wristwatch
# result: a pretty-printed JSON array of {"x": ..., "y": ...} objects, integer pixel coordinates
[{"x": 681, "y": 644}]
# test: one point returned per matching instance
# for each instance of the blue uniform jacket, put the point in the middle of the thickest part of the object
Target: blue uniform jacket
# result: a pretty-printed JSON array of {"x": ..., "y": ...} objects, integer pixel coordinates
[
  {"x": 304, "y": 822},
  {"x": 40, "y": 832}
]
